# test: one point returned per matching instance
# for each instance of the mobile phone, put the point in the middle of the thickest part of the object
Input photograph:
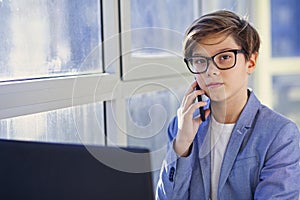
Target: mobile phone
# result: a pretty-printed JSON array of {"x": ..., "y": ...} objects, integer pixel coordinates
[{"x": 199, "y": 98}]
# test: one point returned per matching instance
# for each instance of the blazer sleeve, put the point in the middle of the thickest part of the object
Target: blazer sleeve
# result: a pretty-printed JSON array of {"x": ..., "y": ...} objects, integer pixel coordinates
[
  {"x": 175, "y": 174},
  {"x": 280, "y": 175}
]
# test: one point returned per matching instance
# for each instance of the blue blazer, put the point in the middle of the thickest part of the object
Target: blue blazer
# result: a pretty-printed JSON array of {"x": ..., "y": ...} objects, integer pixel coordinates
[{"x": 261, "y": 160}]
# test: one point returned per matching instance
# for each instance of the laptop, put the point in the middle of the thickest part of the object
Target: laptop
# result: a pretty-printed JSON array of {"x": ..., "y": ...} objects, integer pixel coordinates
[{"x": 36, "y": 170}]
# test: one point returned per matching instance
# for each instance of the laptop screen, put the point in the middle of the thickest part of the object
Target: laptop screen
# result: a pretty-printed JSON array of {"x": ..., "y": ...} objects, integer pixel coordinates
[{"x": 33, "y": 170}]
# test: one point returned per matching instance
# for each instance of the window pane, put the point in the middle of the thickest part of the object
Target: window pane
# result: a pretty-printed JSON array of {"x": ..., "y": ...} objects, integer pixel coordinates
[
  {"x": 287, "y": 96},
  {"x": 159, "y": 25},
  {"x": 242, "y": 7},
  {"x": 148, "y": 117},
  {"x": 285, "y": 28},
  {"x": 46, "y": 38},
  {"x": 80, "y": 124}
]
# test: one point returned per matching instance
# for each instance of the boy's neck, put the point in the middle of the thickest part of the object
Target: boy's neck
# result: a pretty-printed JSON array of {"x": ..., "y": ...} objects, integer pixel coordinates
[{"x": 229, "y": 110}]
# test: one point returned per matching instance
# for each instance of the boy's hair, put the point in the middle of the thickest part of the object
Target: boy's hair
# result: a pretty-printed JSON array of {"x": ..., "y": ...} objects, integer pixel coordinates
[{"x": 222, "y": 23}]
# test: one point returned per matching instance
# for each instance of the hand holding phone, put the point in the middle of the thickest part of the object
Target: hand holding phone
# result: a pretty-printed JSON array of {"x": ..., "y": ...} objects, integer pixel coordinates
[
  {"x": 188, "y": 126},
  {"x": 199, "y": 98}
]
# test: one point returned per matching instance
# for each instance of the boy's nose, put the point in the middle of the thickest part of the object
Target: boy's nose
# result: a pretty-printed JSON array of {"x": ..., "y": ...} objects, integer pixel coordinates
[{"x": 212, "y": 69}]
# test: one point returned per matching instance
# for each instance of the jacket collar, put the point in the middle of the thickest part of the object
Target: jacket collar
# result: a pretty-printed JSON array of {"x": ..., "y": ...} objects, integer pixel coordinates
[{"x": 242, "y": 126}]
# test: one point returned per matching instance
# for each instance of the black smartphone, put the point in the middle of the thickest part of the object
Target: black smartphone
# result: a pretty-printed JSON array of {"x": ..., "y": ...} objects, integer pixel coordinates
[{"x": 199, "y": 98}]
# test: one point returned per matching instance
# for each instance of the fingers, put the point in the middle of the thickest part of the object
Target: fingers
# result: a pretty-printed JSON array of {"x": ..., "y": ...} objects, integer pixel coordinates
[
  {"x": 190, "y": 96},
  {"x": 190, "y": 89},
  {"x": 198, "y": 118},
  {"x": 188, "y": 124},
  {"x": 206, "y": 113},
  {"x": 192, "y": 108}
]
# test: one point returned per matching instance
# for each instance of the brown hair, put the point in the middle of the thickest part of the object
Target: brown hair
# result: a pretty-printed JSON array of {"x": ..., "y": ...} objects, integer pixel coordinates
[{"x": 222, "y": 23}]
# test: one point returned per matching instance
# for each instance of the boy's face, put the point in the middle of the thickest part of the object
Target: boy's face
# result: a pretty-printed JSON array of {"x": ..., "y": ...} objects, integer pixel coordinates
[{"x": 228, "y": 84}]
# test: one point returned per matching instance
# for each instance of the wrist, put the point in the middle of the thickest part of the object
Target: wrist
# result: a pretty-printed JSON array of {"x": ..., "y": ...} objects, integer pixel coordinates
[{"x": 182, "y": 148}]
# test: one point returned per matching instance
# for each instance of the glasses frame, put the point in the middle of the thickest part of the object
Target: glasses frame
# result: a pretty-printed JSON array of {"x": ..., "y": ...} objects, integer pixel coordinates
[{"x": 208, "y": 59}]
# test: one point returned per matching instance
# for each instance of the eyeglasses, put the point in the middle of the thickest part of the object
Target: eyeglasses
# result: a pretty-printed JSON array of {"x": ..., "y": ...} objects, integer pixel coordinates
[{"x": 223, "y": 60}]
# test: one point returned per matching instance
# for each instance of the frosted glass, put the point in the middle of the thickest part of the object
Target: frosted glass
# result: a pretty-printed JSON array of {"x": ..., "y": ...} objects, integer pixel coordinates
[
  {"x": 147, "y": 120},
  {"x": 49, "y": 38},
  {"x": 81, "y": 124},
  {"x": 158, "y": 26}
]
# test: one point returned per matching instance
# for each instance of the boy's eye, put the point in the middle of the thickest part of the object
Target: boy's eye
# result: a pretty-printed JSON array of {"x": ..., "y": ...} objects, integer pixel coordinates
[
  {"x": 224, "y": 58},
  {"x": 199, "y": 61}
]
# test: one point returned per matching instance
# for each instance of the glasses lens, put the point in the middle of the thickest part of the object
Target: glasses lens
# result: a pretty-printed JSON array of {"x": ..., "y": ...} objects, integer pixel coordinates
[
  {"x": 198, "y": 64},
  {"x": 225, "y": 60}
]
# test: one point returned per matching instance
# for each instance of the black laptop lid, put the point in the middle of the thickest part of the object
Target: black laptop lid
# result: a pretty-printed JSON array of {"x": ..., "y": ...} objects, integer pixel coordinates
[{"x": 32, "y": 170}]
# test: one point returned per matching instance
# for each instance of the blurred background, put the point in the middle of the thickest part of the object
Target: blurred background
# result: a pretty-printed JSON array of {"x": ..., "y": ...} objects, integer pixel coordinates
[{"x": 111, "y": 72}]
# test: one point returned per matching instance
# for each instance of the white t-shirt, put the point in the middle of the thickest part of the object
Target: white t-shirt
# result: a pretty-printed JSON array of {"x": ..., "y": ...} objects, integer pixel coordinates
[{"x": 220, "y": 134}]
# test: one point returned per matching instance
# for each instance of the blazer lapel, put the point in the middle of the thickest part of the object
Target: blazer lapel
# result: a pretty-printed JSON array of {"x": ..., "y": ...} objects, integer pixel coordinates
[
  {"x": 238, "y": 134},
  {"x": 231, "y": 153},
  {"x": 205, "y": 170},
  {"x": 204, "y": 157}
]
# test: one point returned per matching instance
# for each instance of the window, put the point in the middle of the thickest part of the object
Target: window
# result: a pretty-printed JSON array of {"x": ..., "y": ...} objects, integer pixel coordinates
[
  {"x": 48, "y": 38},
  {"x": 148, "y": 117},
  {"x": 79, "y": 124},
  {"x": 151, "y": 40},
  {"x": 284, "y": 71},
  {"x": 159, "y": 16},
  {"x": 243, "y": 7},
  {"x": 49, "y": 51},
  {"x": 285, "y": 27},
  {"x": 287, "y": 95}
]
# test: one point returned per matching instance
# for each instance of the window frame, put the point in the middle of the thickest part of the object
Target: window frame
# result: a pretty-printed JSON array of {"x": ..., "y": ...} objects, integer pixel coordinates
[
  {"x": 24, "y": 97},
  {"x": 135, "y": 67},
  {"x": 270, "y": 66}
]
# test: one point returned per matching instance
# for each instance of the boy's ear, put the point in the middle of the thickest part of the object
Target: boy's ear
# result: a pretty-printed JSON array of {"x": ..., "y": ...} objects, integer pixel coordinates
[{"x": 252, "y": 63}]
